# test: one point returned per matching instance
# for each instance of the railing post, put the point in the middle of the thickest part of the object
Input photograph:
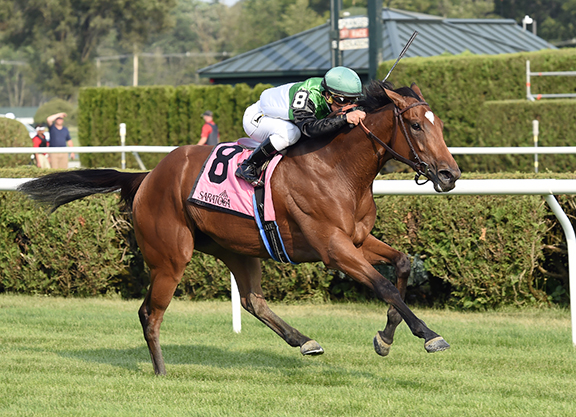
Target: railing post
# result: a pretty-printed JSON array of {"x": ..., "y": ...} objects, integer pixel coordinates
[
  {"x": 571, "y": 244},
  {"x": 123, "y": 143},
  {"x": 236, "y": 307},
  {"x": 528, "y": 93},
  {"x": 535, "y": 132}
]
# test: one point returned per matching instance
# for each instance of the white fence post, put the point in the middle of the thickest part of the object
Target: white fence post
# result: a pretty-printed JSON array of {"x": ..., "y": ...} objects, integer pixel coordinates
[
  {"x": 571, "y": 244},
  {"x": 535, "y": 132},
  {"x": 123, "y": 143},
  {"x": 236, "y": 307},
  {"x": 528, "y": 93}
]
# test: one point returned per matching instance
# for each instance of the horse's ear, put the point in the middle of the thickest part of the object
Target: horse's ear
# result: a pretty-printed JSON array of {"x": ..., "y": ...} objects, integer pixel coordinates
[
  {"x": 415, "y": 88},
  {"x": 398, "y": 100}
]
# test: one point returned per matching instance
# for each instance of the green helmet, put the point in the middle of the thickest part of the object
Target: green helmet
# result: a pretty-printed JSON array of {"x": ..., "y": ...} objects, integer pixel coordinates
[{"x": 343, "y": 82}]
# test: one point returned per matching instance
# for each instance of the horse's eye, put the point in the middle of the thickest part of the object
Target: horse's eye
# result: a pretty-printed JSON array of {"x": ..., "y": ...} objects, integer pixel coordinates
[{"x": 416, "y": 126}]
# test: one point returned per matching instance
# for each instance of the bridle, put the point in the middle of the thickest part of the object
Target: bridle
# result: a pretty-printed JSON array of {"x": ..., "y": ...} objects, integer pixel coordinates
[{"x": 419, "y": 166}]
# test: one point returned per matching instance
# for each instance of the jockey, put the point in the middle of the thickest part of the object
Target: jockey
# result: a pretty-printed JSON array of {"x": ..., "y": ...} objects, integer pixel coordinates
[{"x": 285, "y": 113}]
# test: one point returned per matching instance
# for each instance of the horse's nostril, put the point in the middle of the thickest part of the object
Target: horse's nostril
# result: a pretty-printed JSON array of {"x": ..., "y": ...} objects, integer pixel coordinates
[{"x": 445, "y": 176}]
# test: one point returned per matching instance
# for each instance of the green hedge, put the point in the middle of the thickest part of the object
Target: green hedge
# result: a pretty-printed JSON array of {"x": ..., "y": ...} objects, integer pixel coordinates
[
  {"x": 13, "y": 134},
  {"x": 461, "y": 89},
  {"x": 509, "y": 123},
  {"x": 164, "y": 116},
  {"x": 481, "y": 99},
  {"x": 57, "y": 105},
  {"x": 477, "y": 251}
]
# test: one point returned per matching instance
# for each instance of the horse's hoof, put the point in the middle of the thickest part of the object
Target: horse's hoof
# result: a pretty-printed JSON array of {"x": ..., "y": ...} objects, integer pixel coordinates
[
  {"x": 436, "y": 345},
  {"x": 311, "y": 347},
  {"x": 380, "y": 346}
]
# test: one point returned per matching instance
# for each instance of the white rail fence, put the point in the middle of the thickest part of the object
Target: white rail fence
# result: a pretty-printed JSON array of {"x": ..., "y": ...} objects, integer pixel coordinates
[
  {"x": 534, "y": 96},
  {"x": 135, "y": 149},
  {"x": 96, "y": 149},
  {"x": 502, "y": 150},
  {"x": 546, "y": 187}
]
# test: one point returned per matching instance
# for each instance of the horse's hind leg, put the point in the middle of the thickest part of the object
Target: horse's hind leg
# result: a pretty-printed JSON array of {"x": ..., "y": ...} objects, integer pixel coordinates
[
  {"x": 376, "y": 252},
  {"x": 248, "y": 274},
  {"x": 163, "y": 283},
  {"x": 167, "y": 247}
]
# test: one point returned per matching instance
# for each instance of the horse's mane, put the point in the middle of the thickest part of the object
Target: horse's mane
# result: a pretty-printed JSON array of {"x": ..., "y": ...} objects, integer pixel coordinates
[{"x": 375, "y": 97}]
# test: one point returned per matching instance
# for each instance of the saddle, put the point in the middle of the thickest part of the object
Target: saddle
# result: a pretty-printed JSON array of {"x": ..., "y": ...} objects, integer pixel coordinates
[{"x": 217, "y": 187}]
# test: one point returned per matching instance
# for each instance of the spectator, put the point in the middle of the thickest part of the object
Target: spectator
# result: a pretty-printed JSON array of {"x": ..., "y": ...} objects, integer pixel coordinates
[
  {"x": 59, "y": 137},
  {"x": 40, "y": 141},
  {"x": 210, "y": 135}
]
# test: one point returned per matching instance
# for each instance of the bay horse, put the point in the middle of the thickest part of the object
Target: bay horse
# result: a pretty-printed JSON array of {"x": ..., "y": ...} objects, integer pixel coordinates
[{"x": 325, "y": 210}]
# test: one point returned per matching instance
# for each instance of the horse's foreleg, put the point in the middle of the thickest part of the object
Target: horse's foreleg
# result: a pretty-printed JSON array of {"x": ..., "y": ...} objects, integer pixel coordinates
[
  {"x": 376, "y": 252},
  {"x": 248, "y": 274},
  {"x": 255, "y": 303},
  {"x": 350, "y": 260}
]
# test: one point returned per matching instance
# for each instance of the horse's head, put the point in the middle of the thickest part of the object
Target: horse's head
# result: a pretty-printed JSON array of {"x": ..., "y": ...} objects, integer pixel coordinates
[{"x": 423, "y": 147}]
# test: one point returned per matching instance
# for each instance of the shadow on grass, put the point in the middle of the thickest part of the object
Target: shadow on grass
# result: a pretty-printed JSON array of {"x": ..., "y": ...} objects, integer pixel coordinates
[
  {"x": 189, "y": 355},
  {"x": 291, "y": 364}
]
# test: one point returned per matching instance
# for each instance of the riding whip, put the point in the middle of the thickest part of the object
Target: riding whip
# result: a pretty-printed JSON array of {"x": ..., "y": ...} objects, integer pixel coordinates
[{"x": 401, "y": 54}]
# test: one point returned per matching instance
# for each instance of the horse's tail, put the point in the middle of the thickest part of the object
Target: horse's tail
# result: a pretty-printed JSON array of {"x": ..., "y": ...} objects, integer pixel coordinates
[{"x": 63, "y": 187}]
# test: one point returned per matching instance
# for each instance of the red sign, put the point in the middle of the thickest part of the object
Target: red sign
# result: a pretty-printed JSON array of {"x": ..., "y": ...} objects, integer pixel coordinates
[{"x": 353, "y": 33}]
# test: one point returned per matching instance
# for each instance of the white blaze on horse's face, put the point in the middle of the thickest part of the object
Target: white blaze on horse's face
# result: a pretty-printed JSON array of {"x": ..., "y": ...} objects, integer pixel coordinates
[{"x": 430, "y": 116}]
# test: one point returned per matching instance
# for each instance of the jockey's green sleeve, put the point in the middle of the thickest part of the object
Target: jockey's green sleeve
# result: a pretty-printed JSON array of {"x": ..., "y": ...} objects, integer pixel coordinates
[
  {"x": 308, "y": 109},
  {"x": 307, "y": 95}
]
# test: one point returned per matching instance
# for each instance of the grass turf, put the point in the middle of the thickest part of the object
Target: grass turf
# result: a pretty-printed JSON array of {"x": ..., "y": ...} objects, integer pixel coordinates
[{"x": 87, "y": 357}]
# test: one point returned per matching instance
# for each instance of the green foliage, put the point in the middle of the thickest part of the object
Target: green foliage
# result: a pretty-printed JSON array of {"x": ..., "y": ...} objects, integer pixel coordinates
[
  {"x": 509, "y": 123},
  {"x": 162, "y": 115},
  {"x": 474, "y": 245},
  {"x": 554, "y": 18},
  {"x": 298, "y": 17},
  {"x": 477, "y": 252},
  {"x": 472, "y": 9},
  {"x": 64, "y": 37},
  {"x": 97, "y": 123},
  {"x": 260, "y": 13},
  {"x": 16, "y": 84},
  {"x": 57, "y": 105},
  {"x": 13, "y": 134},
  {"x": 462, "y": 91},
  {"x": 79, "y": 250}
]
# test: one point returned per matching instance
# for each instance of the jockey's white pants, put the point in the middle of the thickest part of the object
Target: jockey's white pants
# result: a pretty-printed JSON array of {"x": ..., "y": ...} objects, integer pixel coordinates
[{"x": 259, "y": 126}]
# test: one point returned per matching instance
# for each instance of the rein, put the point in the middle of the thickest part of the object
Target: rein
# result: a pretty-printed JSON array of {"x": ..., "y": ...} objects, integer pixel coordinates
[{"x": 419, "y": 166}]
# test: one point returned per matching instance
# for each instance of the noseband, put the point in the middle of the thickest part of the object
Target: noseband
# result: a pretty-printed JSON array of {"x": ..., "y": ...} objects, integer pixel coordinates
[{"x": 417, "y": 165}]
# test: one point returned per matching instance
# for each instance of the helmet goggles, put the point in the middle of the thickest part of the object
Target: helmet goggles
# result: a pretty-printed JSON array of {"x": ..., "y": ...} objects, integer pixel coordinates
[{"x": 342, "y": 101}]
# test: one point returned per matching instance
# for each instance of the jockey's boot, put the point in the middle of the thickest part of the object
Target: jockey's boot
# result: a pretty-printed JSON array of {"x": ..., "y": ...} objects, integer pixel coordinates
[{"x": 251, "y": 168}]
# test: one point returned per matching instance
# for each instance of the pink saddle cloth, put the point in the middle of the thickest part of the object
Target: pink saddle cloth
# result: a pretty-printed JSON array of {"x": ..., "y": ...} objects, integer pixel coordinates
[{"x": 219, "y": 188}]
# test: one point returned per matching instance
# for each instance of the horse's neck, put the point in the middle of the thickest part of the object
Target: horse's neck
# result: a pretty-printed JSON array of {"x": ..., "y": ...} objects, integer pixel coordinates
[{"x": 353, "y": 156}]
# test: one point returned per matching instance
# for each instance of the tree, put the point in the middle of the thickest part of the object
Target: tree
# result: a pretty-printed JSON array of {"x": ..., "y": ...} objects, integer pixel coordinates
[
  {"x": 555, "y": 19},
  {"x": 259, "y": 22},
  {"x": 174, "y": 56},
  {"x": 455, "y": 8},
  {"x": 14, "y": 73},
  {"x": 64, "y": 34},
  {"x": 294, "y": 21}
]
